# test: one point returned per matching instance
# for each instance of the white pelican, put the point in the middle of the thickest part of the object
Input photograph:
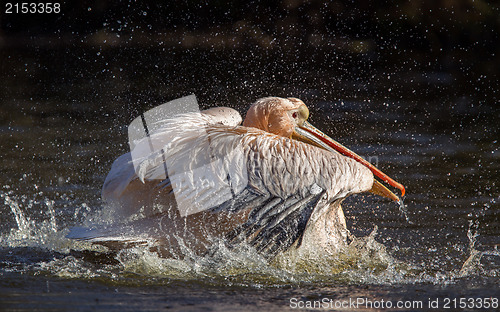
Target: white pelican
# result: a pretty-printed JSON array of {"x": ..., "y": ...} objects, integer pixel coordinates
[{"x": 279, "y": 186}]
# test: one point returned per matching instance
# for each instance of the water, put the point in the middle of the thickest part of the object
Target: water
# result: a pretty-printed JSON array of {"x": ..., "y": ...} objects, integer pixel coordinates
[{"x": 63, "y": 121}]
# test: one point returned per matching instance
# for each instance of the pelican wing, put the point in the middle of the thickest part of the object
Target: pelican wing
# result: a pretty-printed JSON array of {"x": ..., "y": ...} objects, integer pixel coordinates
[
  {"x": 221, "y": 167},
  {"x": 277, "y": 223},
  {"x": 287, "y": 182}
]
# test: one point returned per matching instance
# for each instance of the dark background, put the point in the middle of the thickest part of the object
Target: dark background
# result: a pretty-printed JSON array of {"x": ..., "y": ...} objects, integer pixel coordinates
[
  {"x": 414, "y": 83},
  {"x": 391, "y": 71},
  {"x": 411, "y": 66},
  {"x": 422, "y": 49}
]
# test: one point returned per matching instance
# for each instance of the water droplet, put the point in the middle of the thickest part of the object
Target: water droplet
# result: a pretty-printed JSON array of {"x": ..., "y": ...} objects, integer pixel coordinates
[{"x": 404, "y": 211}]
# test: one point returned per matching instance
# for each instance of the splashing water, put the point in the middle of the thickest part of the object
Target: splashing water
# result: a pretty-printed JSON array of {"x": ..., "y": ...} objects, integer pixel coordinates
[
  {"x": 473, "y": 266},
  {"x": 363, "y": 261},
  {"x": 404, "y": 210},
  {"x": 28, "y": 230},
  {"x": 21, "y": 221}
]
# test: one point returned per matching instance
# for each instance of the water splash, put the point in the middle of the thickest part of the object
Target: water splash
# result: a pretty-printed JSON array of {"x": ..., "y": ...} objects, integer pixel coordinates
[
  {"x": 404, "y": 210},
  {"x": 23, "y": 224},
  {"x": 473, "y": 265},
  {"x": 363, "y": 261},
  {"x": 52, "y": 214},
  {"x": 36, "y": 223},
  {"x": 472, "y": 234}
]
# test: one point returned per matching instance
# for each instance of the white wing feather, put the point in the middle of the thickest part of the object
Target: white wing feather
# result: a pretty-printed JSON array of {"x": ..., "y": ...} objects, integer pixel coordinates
[
  {"x": 211, "y": 163},
  {"x": 269, "y": 164}
]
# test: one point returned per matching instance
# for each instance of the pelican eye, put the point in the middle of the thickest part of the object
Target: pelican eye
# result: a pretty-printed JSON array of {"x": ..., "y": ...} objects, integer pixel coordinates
[
  {"x": 304, "y": 112},
  {"x": 294, "y": 115}
]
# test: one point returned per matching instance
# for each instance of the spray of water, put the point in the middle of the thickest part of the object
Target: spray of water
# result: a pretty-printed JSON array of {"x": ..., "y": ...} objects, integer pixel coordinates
[
  {"x": 404, "y": 210},
  {"x": 364, "y": 260}
]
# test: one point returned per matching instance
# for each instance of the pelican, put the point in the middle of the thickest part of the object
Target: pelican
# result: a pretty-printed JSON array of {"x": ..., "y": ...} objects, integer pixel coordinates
[{"x": 274, "y": 182}]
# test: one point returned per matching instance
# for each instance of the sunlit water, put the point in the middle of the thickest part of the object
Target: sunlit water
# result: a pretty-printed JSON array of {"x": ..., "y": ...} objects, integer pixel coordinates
[{"x": 442, "y": 242}]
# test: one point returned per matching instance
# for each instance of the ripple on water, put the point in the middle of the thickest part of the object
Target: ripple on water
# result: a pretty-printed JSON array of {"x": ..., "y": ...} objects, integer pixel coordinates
[{"x": 40, "y": 247}]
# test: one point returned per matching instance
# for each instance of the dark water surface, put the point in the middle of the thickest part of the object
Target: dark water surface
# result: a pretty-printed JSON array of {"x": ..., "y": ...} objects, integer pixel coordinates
[{"x": 63, "y": 119}]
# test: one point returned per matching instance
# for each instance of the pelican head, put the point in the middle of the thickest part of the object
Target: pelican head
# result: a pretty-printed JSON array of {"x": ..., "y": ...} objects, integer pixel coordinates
[
  {"x": 277, "y": 115},
  {"x": 288, "y": 118}
]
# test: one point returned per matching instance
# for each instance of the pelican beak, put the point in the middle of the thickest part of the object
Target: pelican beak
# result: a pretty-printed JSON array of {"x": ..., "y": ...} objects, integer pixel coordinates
[{"x": 309, "y": 134}]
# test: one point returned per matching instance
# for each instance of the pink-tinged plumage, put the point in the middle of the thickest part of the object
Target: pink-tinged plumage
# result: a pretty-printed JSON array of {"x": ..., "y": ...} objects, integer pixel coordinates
[{"x": 284, "y": 193}]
